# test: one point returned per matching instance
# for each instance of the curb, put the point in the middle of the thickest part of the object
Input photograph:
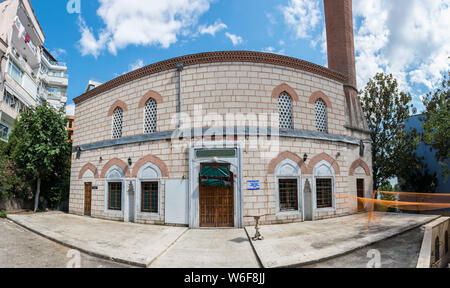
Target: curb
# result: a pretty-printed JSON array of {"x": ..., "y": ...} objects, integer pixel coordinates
[
  {"x": 90, "y": 253},
  {"x": 302, "y": 264}
]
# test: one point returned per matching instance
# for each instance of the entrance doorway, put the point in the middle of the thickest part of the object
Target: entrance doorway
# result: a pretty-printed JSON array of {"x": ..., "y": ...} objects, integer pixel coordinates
[
  {"x": 216, "y": 189},
  {"x": 87, "y": 198},
  {"x": 360, "y": 193}
]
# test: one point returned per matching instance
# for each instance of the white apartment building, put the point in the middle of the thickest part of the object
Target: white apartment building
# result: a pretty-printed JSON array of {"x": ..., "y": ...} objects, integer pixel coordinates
[
  {"x": 29, "y": 73},
  {"x": 54, "y": 80}
]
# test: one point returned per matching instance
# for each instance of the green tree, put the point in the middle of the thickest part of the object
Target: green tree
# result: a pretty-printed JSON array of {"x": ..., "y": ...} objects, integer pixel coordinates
[
  {"x": 386, "y": 110},
  {"x": 436, "y": 127},
  {"x": 39, "y": 145}
]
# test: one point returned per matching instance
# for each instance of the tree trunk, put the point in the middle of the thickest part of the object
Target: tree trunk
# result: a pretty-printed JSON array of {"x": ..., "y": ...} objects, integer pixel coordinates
[{"x": 38, "y": 191}]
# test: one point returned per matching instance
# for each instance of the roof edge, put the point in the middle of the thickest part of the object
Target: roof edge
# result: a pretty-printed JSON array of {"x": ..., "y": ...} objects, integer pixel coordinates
[{"x": 213, "y": 57}]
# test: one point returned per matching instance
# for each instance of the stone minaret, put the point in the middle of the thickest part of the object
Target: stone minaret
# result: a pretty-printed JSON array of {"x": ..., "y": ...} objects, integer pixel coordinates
[{"x": 341, "y": 56}]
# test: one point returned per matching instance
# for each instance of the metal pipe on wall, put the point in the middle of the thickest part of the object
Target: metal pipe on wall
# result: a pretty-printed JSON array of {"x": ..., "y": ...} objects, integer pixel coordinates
[{"x": 180, "y": 67}]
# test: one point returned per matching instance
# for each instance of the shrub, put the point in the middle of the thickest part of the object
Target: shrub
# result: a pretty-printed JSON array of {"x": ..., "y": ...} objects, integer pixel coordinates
[
  {"x": 12, "y": 185},
  {"x": 2, "y": 214}
]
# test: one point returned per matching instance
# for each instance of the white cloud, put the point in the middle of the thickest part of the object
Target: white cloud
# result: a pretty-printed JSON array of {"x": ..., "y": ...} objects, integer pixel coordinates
[
  {"x": 212, "y": 29},
  {"x": 136, "y": 65},
  {"x": 408, "y": 38},
  {"x": 269, "y": 49},
  {"x": 237, "y": 40},
  {"x": 70, "y": 109},
  {"x": 58, "y": 53},
  {"x": 302, "y": 16},
  {"x": 137, "y": 22},
  {"x": 88, "y": 44}
]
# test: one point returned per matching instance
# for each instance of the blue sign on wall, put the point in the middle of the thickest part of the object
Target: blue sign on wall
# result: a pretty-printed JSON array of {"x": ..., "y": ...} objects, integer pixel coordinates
[{"x": 253, "y": 185}]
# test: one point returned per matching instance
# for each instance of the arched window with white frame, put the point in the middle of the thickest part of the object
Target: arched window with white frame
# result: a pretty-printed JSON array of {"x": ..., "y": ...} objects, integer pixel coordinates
[
  {"x": 149, "y": 190},
  {"x": 285, "y": 111},
  {"x": 324, "y": 185},
  {"x": 321, "y": 116},
  {"x": 117, "y": 123},
  {"x": 288, "y": 183},
  {"x": 114, "y": 194},
  {"x": 151, "y": 116}
]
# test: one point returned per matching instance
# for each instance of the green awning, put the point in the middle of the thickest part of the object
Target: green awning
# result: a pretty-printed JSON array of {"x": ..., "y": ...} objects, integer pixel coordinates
[
  {"x": 215, "y": 177},
  {"x": 220, "y": 171}
]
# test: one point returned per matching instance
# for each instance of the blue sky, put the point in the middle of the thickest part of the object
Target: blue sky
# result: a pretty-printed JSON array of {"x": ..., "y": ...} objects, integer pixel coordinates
[{"x": 408, "y": 38}]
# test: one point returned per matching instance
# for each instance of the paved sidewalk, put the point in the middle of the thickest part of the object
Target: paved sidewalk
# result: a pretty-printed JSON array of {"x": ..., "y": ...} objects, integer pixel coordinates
[
  {"x": 296, "y": 244},
  {"x": 299, "y": 244},
  {"x": 123, "y": 242},
  {"x": 210, "y": 248},
  {"x": 21, "y": 248}
]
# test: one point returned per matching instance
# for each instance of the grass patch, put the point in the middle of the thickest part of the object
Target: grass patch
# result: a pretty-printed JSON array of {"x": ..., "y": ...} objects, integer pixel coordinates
[{"x": 2, "y": 214}]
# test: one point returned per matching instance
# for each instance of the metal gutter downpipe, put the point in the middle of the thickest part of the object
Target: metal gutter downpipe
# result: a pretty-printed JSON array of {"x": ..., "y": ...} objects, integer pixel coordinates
[{"x": 180, "y": 67}]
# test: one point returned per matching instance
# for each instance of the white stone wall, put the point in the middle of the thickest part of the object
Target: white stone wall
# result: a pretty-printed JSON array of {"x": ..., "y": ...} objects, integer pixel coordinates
[{"x": 220, "y": 88}]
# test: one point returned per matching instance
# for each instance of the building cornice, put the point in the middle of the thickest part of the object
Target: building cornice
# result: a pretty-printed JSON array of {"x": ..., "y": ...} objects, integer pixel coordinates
[
  {"x": 238, "y": 131},
  {"x": 214, "y": 57}
]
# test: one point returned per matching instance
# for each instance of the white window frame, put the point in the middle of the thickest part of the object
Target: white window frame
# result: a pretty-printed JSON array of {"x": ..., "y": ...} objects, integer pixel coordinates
[
  {"x": 157, "y": 176},
  {"x": 288, "y": 169},
  {"x": 111, "y": 176},
  {"x": 11, "y": 65},
  {"x": 324, "y": 170}
]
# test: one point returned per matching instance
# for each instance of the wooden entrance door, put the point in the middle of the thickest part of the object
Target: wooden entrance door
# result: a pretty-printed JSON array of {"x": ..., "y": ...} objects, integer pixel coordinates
[
  {"x": 360, "y": 193},
  {"x": 217, "y": 204},
  {"x": 87, "y": 198}
]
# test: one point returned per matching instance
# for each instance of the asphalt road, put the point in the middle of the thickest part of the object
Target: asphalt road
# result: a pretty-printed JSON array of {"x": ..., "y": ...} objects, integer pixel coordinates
[
  {"x": 401, "y": 251},
  {"x": 20, "y": 248}
]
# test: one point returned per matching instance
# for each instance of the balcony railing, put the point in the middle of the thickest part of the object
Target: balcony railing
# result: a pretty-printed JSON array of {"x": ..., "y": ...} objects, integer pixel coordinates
[{"x": 54, "y": 63}]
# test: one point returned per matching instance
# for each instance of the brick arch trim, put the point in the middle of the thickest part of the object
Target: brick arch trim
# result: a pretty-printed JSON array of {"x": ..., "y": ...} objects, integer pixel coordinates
[
  {"x": 150, "y": 95},
  {"x": 359, "y": 163},
  {"x": 118, "y": 104},
  {"x": 115, "y": 162},
  {"x": 320, "y": 95},
  {"x": 88, "y": 166},
  {"x": 323, "y": 156},
  {"x": 284, "y": 88},
  {"x": 152, "y": 159},
  {"x": 287, "y": 155}
]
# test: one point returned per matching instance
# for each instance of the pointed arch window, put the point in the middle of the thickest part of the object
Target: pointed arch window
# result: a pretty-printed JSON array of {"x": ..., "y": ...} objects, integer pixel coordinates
[
  {"x": 321, "y": 116},
  {"x": 288, "y": 179},
  {"x": 151, "y": 116},
  {"x": 324, "y": 185},
  {"x": 117, "y": 123},
  {"x": 285, "y": 111}
]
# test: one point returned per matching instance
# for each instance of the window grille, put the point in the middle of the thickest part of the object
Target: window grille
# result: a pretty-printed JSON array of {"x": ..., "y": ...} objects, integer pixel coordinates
[
  {"x": 446, "y": 242},
  {"x": 115, "y": 196},
  {"x": 324, "y": 193},
  {"x": 285, "y": 111},
  {"x": 321, "y": 116},
  {"x": 437, "y": 252},
  {"x": 117, "y": 123},
  {"x": 288, "y": 191},
  {"x": 151, "y": 116},
  {"x": 149, "y": 197}
]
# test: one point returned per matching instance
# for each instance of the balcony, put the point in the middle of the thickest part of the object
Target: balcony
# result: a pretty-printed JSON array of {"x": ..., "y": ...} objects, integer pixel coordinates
[
  {"x": 25, "y": 50},
  {"x": 55, "y": 80},
  {"x": 53, "y": 63},
  {"x": 9, "y": 111}
]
